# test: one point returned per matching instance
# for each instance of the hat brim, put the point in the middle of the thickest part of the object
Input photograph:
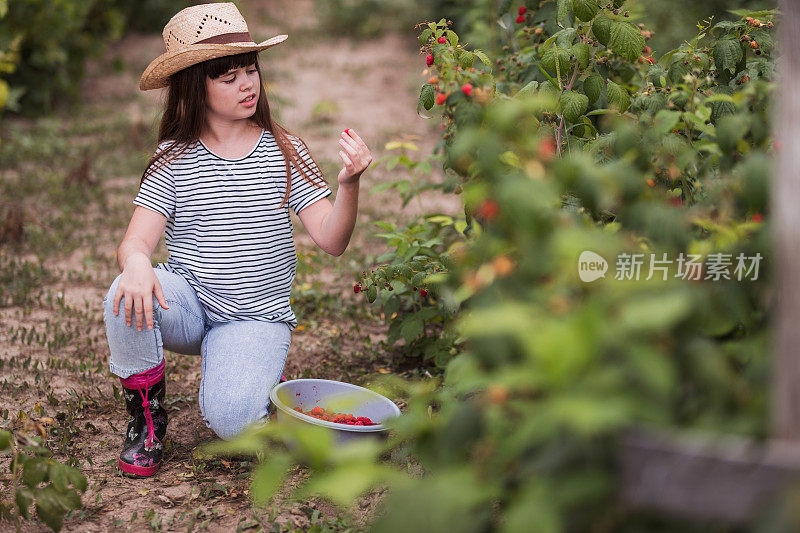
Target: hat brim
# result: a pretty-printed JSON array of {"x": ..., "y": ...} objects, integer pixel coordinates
[{"x": 157, "y": 73}]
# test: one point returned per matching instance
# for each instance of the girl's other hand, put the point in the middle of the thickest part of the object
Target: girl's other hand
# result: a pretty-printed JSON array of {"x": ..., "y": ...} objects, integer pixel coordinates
[
  {"x": 355, "y": 157},
  {"x": 137, "y": 285}
]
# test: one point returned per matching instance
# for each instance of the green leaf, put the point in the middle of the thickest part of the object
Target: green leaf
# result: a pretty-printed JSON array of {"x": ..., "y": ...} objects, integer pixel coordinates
[
  {"x": 77, "y": 479},
  {"x": 467, "y": 59},
  {"x": 585, "y": 10},
  {"x": 452, "y": 38},
  {"x": 721, "y": 108},
  {"x": 426, "y": 96},
  {"x": 727, "y": 54},
  {"x": 764, "y": 40},
  {"x": 617, "y": 96},
  {"x": 425, "y": 35},
  {"x": 581, "y": 52},
  {"x": 601, "y": 28},
  {"x": 573, "y": 105},
  {"x": 677, "y": 71},
  {"x": 411, "y": 329},
  {"x": 372, "y": 293},
  {"x": 563, "y": 9},
  {"x": 484, "y": 58},
  {"x": 528, "y": 90},
  {"x": 58, "y": 476},
  {"x": 549, "y": 59},
  {"x": 655, "y": 103},
  {"x": 268, "y": 478},
  {"x": 627, "y": 40},
  {"x": 344, "y": 484},
  {"x": 34, "y": 471},
  {"x": 24, "y": 499},
  {"x": 565, "y": 37},
  {"x": 49, "y": 507},
  {"x": 666, "y": 121},
  {"x": 593, "y": 87},
  {"x": 5, "y": 439}
]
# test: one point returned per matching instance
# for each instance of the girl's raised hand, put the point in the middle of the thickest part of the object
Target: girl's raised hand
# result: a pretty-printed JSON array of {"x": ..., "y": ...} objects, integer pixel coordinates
[{"x": 355, "y": 157}]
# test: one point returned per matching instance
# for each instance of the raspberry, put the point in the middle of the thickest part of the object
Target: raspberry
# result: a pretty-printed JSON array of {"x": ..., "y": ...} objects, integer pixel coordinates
[
  {"x": 520, "y": 19},
  {"x": 423, "y": 293},
  {"x": 358, "y": 423},
  {"x": 356, "y": 288},
  {"x": 650, "y": 182},
  {"x": 522, "y": 10},
  {"x": 646, "y": 49},
  {"x": 433, "y": 80},
  {"x": 429, "y": 59},
  {"x": 441, "y": 98},
  {"x": 547, "y": 149},
  {"x": 649, "y": 60},
  {"x": 441, "y": 40},
  {"x": 757, "y": 218},
  {"x": 488, "y": 209},
  {"x": 753, "y": 44},
  {"x": 467, "y": 89}
]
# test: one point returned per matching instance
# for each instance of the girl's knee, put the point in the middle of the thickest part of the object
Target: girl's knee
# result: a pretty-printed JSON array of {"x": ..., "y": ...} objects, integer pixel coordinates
[{"x": 229, "y": 419}]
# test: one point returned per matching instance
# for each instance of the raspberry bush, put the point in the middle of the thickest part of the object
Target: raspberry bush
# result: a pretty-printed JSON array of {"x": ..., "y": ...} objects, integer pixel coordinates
[{"x": 578, "y": 137}]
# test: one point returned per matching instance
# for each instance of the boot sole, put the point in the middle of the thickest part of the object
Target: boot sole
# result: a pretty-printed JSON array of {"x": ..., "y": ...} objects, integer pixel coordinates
[{"x": 137, "y": 471}]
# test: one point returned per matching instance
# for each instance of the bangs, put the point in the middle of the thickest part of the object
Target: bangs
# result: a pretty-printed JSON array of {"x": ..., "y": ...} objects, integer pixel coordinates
[{"x": 214, "y": 68}]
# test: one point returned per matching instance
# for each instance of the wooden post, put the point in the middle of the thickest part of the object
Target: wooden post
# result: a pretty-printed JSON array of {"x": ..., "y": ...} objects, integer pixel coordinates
[
  {"x": 786, "y": 229},
  {"x": 722, "y": 477}
]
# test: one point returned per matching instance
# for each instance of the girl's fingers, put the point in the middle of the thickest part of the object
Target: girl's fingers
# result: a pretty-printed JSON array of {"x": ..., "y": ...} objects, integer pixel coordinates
[
  {"x": 350, "y": 149},
  {"x": 346, "y": 159},
  {"x": 355, "y": 135},
  {"x": 349, "y": 140}
]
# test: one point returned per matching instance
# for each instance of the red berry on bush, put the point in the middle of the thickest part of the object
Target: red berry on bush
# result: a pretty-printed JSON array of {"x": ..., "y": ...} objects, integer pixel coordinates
[
  {"x": 441, "y": 98},
  {"x": 441, "y": 40},
  {"x": 753, "y": 44},
  {"x": 520, "y": 19},
  {"x": 757, "y": 218},
  {"x": 423, "y": 293},
  {"x": 650, "y": 182},
  {"x": 356, "y": 288},
  {"x": 649, "y": 60},
  {"x": 646, "y": 49},
  {"x": 488, "y": 209},
  {"x": 547, "y": 149},
  {"x": 522, "y": 10},
  {"x": 429, "y": 59},
  {"x": 467, "y": 89}
]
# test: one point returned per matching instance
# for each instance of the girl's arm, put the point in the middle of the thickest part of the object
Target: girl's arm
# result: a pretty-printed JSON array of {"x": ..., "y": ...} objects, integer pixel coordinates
[{"x": 331, "y": 226}]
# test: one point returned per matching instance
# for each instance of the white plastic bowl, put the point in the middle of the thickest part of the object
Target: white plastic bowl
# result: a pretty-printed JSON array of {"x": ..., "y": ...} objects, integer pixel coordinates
[{"x": 337, "y": 396}]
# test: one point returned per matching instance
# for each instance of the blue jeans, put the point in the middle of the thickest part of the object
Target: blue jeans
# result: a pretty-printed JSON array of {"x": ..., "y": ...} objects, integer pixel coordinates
[{"x": 242, "y": 360}]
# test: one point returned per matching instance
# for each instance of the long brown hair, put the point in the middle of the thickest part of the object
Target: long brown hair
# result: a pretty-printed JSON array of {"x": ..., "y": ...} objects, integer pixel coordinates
[{"x": 185, "y": 114}]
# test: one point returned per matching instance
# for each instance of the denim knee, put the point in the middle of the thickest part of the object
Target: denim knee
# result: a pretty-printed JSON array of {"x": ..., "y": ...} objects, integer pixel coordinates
[{"x": 229, "y": 418}]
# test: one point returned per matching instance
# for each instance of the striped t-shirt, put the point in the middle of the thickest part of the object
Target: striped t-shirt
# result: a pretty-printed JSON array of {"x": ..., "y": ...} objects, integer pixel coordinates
[{"x": 225, "y": 234}]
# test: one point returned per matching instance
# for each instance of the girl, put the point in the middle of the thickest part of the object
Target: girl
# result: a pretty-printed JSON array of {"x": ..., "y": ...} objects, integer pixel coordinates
[{"x": 221, "y": 184}]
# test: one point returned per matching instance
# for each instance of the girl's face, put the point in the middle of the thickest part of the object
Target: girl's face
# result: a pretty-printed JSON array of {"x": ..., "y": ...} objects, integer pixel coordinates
[{"x": 233, "y": 95}]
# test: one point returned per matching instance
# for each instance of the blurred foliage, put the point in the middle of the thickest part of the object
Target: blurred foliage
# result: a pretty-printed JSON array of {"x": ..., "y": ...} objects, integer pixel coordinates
[
  {"x": 37, "y": 478},
  {"x": 571, "y": 137},
  {"x": 49, "y": 40}
]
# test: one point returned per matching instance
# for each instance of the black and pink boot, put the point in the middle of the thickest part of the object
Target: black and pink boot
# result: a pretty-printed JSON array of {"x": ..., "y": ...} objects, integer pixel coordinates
[{"x": 147, "y": 426}]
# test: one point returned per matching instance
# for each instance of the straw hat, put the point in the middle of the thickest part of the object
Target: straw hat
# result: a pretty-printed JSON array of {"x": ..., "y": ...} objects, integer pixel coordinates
[{"x": 198, "y": 33}]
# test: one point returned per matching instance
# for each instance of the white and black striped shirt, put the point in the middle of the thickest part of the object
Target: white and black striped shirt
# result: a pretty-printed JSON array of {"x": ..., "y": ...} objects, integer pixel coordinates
[{"x": 225, "y": 233}]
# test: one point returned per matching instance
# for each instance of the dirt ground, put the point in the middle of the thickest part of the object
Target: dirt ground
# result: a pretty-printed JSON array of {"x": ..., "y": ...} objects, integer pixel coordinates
[{"x": 53, "y": 350}]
